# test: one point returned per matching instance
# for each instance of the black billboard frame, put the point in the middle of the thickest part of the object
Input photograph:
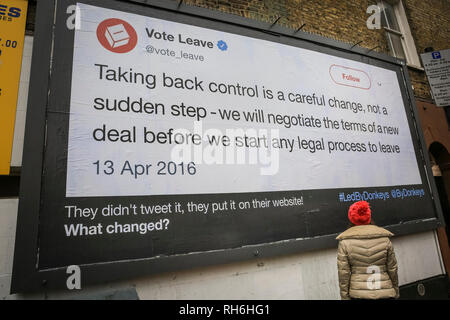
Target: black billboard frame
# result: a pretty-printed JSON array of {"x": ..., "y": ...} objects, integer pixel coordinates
[{"x": 27, "y": 277}]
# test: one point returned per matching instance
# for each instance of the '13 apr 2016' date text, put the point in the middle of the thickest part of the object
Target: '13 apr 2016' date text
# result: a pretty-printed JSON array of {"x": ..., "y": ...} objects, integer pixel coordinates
[{"x": 137, "y": 170}]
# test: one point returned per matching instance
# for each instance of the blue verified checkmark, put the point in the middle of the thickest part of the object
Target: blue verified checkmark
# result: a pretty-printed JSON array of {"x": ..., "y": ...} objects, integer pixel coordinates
[{"x": 222, "y": 45}]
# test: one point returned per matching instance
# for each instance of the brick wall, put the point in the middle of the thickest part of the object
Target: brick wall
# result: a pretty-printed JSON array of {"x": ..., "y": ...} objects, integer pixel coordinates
[
  {"x": 429, "y": 21},
  {"x": 345, "y": 20},
  {"x": 340, "y": 20}
]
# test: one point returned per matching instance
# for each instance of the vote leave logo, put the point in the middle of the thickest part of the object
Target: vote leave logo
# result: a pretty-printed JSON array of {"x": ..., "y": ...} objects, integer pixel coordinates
[{"x": 117, "y": 35}]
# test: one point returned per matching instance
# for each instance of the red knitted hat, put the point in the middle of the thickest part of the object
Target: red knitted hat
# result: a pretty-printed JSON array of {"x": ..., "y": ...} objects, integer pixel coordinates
[{"x": 359, "y": 213}]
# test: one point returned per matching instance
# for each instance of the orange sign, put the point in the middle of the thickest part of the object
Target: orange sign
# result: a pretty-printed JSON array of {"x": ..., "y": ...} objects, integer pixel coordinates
[{"x": 13, "y": 16}]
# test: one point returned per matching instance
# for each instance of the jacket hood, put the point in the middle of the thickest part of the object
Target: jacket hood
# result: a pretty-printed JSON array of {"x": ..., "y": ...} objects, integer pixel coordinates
[{"x": 364, "y": 232}]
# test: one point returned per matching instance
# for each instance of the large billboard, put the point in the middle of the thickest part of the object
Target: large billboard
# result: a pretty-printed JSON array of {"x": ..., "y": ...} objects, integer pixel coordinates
[{"x": 173, "y": 141}]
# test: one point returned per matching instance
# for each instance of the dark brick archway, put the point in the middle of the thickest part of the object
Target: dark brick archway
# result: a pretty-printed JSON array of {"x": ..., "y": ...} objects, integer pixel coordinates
[{"x": 440, "y": 161}]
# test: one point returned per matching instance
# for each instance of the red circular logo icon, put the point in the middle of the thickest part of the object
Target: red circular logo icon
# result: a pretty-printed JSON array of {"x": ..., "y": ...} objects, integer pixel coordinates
[{"x": 117, "y": 35}]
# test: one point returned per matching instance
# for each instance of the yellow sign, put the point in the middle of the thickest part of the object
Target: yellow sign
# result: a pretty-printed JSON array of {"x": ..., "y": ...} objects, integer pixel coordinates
[{"x": 13, "y": 16}]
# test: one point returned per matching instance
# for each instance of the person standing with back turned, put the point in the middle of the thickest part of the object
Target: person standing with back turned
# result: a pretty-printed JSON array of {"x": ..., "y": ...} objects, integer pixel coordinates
[{"x": 367, "y": 266}]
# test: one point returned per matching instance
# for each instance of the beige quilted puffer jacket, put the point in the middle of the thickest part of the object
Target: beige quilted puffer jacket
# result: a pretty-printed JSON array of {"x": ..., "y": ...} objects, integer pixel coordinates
[{"x": 367, "y": 266}]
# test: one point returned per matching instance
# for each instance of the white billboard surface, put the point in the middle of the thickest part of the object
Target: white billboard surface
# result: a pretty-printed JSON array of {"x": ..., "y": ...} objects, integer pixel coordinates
[{"x": 159, "y": 107}]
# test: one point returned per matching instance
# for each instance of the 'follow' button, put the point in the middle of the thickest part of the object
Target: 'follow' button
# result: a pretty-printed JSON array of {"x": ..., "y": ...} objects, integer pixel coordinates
[{"x": 350, "y": 77}]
